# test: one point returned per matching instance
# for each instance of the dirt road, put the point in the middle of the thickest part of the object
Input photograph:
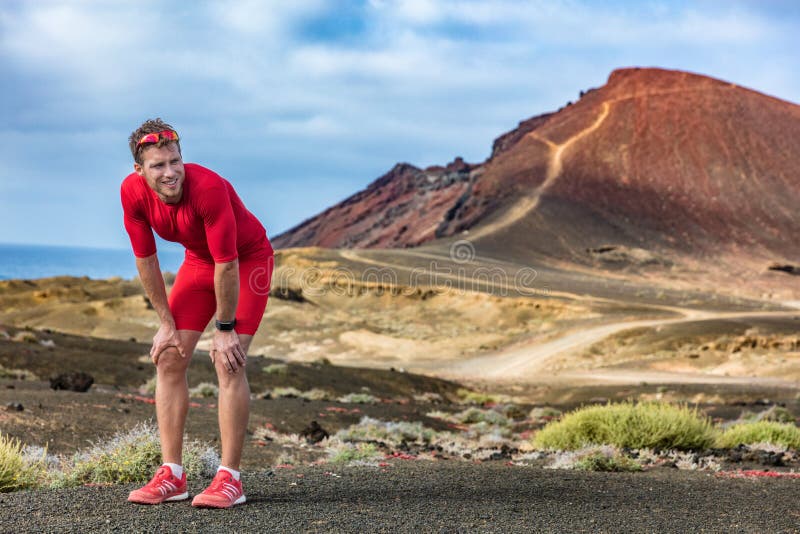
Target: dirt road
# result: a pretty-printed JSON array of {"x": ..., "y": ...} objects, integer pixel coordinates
[{"x": 528, "y": 362}]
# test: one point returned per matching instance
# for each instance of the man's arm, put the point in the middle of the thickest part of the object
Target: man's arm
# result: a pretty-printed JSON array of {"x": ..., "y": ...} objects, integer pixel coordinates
[
  {"x": 153, "y": 283},
  {"x": 226, "y": 287},
  {"x": 221, "y": 234}
]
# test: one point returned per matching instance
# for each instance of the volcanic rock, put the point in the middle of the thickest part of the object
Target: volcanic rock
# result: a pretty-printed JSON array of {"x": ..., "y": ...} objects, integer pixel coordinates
[
  {"x": 657, "y": 160},
  {"x": 790, "y": 269},
  {"x": 314, "y": 433},
  {"x": 75, "y": 381}
]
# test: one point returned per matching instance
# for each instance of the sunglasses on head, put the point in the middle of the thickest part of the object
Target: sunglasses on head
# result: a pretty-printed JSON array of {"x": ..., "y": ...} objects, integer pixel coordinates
[{"x": 168, "y": 135}]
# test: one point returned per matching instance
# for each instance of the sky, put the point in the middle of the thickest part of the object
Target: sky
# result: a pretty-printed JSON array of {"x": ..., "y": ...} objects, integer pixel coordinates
[{"x": 302, "y": 103}]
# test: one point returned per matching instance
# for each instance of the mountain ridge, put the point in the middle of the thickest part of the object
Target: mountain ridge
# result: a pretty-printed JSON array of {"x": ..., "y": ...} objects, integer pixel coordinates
[{"x": 655, "y": 158}]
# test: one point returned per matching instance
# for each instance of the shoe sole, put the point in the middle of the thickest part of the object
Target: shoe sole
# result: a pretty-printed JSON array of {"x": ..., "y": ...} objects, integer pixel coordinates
[
  {"x": 180, "y": 497},
  {"x": 240, "y": 500}
]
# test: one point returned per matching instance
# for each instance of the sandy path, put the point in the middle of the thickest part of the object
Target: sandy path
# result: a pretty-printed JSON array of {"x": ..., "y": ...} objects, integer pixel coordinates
[
  {"x": 662, "y": 377},
  {"x": 554, "y": 166},
  {"x": 529, "y": 361},
  {"x": 460, "y": 280}
]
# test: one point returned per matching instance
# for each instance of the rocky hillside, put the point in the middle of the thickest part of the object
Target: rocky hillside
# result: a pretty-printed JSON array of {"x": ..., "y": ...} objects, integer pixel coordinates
[
  {"x": 657, "y": 159},
  {"x": 402, "y": 208}
]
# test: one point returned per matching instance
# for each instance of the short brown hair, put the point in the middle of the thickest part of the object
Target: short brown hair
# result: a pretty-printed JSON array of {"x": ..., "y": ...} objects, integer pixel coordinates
[{"x": 149, "y": 126}]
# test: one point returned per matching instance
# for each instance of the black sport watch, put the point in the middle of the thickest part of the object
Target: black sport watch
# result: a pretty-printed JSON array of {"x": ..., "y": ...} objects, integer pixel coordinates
[{"x": 225, "y": 326}]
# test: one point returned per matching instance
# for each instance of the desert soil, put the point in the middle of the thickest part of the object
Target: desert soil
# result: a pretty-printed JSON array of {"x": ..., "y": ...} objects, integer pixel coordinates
[
  {"x": 407, "y": 496},
  {"x": 570, "y": 338}
]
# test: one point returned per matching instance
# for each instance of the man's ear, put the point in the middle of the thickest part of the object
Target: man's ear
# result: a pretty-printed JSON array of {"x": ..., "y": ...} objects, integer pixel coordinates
[{"x": 138, "y": 169}]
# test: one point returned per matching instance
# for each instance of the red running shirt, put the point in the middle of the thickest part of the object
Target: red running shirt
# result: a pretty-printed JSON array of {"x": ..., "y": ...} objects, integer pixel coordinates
[{"x": 210, "y": 220}]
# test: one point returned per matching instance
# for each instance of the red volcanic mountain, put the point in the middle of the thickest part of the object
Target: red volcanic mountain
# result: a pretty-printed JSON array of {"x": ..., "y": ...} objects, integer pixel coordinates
[{"x": 654, "y": 159}]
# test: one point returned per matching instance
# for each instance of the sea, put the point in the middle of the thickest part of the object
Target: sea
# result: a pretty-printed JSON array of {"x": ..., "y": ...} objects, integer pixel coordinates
[{"x": 39, "y": 261}]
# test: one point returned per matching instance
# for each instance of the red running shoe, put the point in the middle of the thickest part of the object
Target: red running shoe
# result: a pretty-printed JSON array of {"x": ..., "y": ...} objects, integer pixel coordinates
[
  {"x": 223, "y": 492},
  {"x": 164, "y": 486}
]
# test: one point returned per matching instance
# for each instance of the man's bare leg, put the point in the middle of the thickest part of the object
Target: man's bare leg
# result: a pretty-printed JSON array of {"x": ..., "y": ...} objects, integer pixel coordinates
[
  {"x": 172, "y": 396},
  {"x": 234, "y": 408}
]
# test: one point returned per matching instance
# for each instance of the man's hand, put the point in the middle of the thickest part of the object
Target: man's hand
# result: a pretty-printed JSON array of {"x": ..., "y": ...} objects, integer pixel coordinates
[
  {"x": 226, "y": 346},
  {"x": 166, "y": 336}
]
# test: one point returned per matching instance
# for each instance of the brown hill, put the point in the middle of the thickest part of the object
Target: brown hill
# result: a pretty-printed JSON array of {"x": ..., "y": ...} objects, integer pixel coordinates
[
  {"x": 654, "y": 159},
  {"x": 402, "y": 208}
]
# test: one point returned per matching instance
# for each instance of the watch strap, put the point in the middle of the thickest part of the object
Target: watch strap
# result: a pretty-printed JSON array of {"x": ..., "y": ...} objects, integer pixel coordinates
[{"x": 225, "y": 326}]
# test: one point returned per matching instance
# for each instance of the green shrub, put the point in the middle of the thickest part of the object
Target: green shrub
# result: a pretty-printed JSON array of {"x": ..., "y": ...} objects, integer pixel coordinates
[
  {"x": 428, "y": 397},
  {"x": 473, "y": 397},
  {"x": 483, "y": 428},
  {"x": 471, "y": 416},
  {"x": 600, "y": 462},
  {"x": 25, "y": 337},
  {"x": 314, "y": 394},
  {"x": 204, "y": 390},
  {"x": 777, "y": 414},
  {"x": 512, "y": 412},
  {"x": 389, "y": 432},
  {"x": 351, "y": 453},
  {"x": 16, "y": 471},
  {"x": 149, "y": 387},
  {"x": 132, "y": 456},
  {"x": 285, "y": 458},
  {"x": 595, "y": 458},
  {"x": 17, "y": 374},
  {"x": 646, "y": 425},
  {"x": 287, "y": 392},
  {"x": 359, "y": 398},
  {"x": 786, "y": 434},
  {"x": 541, "y": 412},
  {"x": 276, "y": 369}
]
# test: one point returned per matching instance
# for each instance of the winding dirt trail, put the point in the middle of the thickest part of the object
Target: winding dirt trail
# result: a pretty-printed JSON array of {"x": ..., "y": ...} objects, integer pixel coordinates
[
  {"x": 528, "y": 362},
  {"x": 555, "y": 164},
  {"x": 459, "y": 280},
  {"x": 554, "y": 167}
]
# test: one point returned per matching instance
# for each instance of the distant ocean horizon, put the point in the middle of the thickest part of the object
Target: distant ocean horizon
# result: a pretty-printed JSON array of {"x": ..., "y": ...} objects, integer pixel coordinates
[{"x": 40, "y": 261}]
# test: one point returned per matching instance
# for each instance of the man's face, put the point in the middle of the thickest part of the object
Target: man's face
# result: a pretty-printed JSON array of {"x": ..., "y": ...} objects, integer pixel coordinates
[{"x": 162, "y": 169}]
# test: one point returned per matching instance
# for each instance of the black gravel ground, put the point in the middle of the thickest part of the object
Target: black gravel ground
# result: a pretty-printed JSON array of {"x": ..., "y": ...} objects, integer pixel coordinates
[{"x": 419, "y": 496}]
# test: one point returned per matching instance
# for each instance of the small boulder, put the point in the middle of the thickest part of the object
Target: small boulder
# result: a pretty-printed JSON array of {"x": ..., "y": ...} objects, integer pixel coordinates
[
  {"x": 786, "y": 268},
  {"x": 75, "y": 381},
  {"x": 293, "y": 294},
  {"x": 314, "y": 433}
]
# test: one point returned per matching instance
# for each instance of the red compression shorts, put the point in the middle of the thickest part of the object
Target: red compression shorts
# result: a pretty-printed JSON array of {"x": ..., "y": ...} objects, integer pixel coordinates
[{"x": 193, "y": 300}]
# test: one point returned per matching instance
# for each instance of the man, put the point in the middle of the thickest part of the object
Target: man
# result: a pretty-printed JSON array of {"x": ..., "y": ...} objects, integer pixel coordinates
[{"x": 226, "y": 272}]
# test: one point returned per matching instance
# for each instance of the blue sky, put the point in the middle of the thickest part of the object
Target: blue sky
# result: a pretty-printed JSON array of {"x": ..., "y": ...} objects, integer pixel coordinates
[{"x": 301, "y": 103}]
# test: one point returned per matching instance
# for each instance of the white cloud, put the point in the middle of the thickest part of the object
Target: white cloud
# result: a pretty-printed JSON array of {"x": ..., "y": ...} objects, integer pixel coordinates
[
  {"x": 318, "y": 126},
  {"x": 415, "y": 80},
  {"x": 94, "y": 48},
  {"x": 586, "y": 23},
  {"x": 272, "y": 20}
]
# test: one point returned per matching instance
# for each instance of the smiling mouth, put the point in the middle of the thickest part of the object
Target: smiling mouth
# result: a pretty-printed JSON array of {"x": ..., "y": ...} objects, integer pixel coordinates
[{"x": 170, "y": 183}]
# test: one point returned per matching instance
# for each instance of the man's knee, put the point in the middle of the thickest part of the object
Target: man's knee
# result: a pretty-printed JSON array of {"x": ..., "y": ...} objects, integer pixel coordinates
[
  {"x": 171, "y": 361},
  {"x": 224, "y": 377}
]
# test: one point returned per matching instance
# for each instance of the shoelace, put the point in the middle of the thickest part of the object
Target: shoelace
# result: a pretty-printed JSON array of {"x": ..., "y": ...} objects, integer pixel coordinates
[
  {"x": 225, "y": 486},
  {"x": 162, "y": 482},
  {"x": 218, "y": 482}
]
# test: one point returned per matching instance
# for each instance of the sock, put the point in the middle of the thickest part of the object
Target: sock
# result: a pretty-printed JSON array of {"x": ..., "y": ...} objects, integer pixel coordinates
[
  {"x": 177, "y": 470},
  {"x": 236, "y": 474}
]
